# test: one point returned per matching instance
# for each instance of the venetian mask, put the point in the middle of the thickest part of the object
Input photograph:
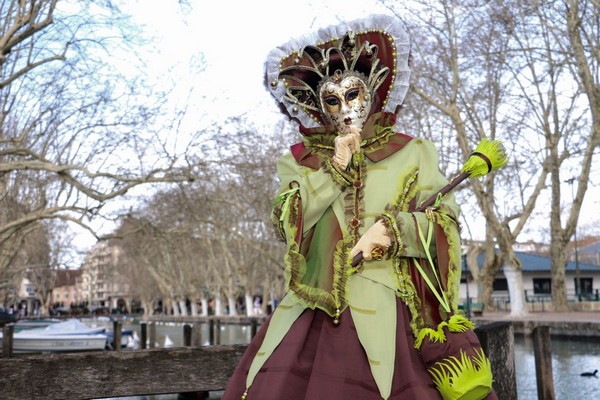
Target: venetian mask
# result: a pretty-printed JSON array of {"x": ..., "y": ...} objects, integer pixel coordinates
[{"x": 345, "y": 102}]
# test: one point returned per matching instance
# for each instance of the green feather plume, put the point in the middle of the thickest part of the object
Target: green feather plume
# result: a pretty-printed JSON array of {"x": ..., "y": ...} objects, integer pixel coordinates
[
  {"x": 465, "y": 378},
  {"x": 488, "y": 156}
]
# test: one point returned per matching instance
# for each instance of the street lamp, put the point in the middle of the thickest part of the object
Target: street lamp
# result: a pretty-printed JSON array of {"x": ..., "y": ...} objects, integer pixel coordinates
[{"x": 571, "y": 182}]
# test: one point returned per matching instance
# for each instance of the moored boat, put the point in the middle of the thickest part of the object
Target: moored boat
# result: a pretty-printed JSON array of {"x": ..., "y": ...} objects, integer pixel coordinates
[
  {"x": 70, "y": 327},
  {"x": 30, "y": 342},
  {"x": 71, "y": 335}
]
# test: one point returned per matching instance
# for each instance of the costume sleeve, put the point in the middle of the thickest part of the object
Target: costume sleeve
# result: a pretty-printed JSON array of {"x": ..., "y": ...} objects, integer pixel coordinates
[
  {"x": 317, "y": 190},
  {"x": 405, "y": 227}
]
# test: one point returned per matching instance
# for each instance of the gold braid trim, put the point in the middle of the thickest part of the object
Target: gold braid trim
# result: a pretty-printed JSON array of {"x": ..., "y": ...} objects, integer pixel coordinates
[
  {"x": 340, "y": 177},
  {"x": 334, "y": 302},
  {"x": 392, "y": 230}
]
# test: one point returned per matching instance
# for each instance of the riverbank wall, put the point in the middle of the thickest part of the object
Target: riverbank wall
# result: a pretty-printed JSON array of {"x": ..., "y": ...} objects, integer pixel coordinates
[{"x": 574, "y": 324}]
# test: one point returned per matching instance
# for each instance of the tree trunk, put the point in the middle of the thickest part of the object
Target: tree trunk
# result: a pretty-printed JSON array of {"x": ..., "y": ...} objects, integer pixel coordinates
[
  {"x": 560, "y": 302},
  {"x": 169, "y": 307},
  {"x": 232, "y": 304},
  {"x": 514, "y": 278},
  {"x": 204, "y": 302},
  {"x": 194, "y": 307},
  {"x": 218, "y": 306},
  {"x": 183, "y": 308},
  {"x": 491, "y": 266},
  {"x": 148, "y": 308},
  {"x": 249, "y": 304}
]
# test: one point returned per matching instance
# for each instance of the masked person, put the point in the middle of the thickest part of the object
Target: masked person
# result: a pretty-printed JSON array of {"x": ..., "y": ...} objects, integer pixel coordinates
[{"x": 386, "y": 327}]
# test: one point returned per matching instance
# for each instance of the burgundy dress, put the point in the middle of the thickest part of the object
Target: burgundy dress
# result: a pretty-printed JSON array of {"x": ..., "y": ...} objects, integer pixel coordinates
[{"x": 317, "y": 360}]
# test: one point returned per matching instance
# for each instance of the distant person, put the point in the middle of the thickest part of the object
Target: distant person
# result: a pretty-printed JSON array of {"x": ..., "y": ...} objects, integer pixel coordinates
[
  {"x": 388, "y": 326},
  {"x": 257, "y": 306}
]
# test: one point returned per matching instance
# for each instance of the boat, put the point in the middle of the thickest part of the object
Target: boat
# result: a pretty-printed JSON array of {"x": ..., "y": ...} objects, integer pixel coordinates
[
  {"x": 71, "y": 327},
  {"x": 67, "y": 336},
  {"x": 29, "y": 342},
  {"x": 24, "y": 324}
]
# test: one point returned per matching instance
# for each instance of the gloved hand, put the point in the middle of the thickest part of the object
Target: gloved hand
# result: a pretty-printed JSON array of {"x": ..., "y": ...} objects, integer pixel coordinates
[
  {"x": 375, "y": 236},
  {"x": 346, "y": 144}
]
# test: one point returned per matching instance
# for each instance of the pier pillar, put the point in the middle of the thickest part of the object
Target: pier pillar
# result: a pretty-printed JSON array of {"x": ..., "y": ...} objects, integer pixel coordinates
[
  {"x": 542, "y": 349},
  {"x": 498, "y": 342}
]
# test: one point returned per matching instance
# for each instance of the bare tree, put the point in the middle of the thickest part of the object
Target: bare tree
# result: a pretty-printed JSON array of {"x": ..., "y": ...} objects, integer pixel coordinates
[
  {"x": 216, "y": 230},
  {"x": 575, "y": 27},
  {"x": 460, "y": 71},
  {"x": 77, "y": 130},
  {"x": 503, "y": 70}
]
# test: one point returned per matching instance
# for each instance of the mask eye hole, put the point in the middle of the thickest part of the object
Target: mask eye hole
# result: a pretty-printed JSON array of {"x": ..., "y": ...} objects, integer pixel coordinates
[
  {"x": 352, "y": 94},
  {"x": 332, "y": 100}
]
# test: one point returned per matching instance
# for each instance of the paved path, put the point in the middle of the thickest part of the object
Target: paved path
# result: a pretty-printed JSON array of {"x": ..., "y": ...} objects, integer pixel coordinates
[{"x": 572, "y": 316}]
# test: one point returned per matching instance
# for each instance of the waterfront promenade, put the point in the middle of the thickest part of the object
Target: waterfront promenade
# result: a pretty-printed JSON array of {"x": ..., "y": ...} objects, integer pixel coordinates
[
  {"x": 567, "y": 324},
  {"x": 571, "y": 316}
]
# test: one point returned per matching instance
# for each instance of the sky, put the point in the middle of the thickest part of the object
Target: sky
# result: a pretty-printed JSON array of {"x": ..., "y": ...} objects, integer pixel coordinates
[
  {"x": 218, "y": 49},
  {"x": 233, "y": 38},
  {"x": 214, "y": 53}
]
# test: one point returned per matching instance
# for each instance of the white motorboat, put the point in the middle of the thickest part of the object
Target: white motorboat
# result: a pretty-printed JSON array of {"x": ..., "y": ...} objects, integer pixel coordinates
[
  {"x": 71, "y": 335},
  {"x": 70, "y": 327},
  {"x": 34, "y": 323},
  {"x": 30, "y": 342}
]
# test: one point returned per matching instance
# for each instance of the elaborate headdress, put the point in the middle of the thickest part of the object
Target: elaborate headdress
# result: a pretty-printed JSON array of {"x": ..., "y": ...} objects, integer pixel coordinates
[{"x": 376, "y": 49}]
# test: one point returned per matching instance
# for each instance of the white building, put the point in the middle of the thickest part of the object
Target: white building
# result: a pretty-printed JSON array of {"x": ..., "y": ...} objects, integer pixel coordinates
[
  {"x": 100, "y": 286},
  {"x": 537, "y": 283}
]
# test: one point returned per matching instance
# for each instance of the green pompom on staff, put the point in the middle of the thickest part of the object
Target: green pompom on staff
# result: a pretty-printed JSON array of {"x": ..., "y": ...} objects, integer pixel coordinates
[{"x": 487, "y": 157}]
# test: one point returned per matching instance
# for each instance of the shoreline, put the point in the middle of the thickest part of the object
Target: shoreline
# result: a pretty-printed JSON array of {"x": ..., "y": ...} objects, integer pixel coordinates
[{"x": 574, "y": 324}]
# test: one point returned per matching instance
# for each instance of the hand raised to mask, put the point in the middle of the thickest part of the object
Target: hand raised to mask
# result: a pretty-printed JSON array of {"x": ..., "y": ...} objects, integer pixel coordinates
[
  {"x": 346, "y": 144},
  {"x": 375, "y": 236}
]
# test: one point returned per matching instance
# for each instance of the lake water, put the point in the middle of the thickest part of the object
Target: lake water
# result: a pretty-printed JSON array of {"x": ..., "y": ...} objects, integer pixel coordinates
[{"x": 569, "y": 359}]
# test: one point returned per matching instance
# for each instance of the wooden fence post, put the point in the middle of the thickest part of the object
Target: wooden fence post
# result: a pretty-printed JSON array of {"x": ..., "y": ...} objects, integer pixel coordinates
[
  {"x": 7, "y": 340},
  {"x": 542, "y": 349},
  {"x": 498, "y": 343},
  {"x": 218, "y": 332},
  {"x": 253, "y": 327},
  {"x": 187, "y": 335},
  {"x": 117, "y": 325},
  {"x": 196, "y": 340},
  {"x": 211, "y": 331},
  {"x": 192, "y": 335},
  {"x": 192, "y": 338},
  {"x": 143, "y": 335}
]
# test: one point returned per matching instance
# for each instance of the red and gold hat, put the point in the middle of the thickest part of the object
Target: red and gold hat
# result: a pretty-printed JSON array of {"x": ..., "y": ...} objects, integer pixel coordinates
[{"x": 376, "y": 49}]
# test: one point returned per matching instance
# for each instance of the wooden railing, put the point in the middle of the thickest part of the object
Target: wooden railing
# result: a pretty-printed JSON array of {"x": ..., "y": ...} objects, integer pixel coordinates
[{"x": 205, "y": 369}]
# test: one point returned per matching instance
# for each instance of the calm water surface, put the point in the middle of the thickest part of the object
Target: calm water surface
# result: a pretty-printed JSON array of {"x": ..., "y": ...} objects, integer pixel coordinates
[{"x": 569, "y": 359}]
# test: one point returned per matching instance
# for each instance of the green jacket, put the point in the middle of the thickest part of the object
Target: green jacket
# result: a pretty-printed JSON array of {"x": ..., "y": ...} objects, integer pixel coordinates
[{"x": 322, "y": 211}]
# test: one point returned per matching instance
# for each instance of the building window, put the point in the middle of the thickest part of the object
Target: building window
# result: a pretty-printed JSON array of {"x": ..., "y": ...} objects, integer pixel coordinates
[
  {"x": 542, "y": 286},
  {"x": 587, "y": 286},
  {"x": 500, "y": 285}
]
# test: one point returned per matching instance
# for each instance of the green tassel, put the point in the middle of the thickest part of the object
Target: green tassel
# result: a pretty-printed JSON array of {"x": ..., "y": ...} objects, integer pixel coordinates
[
  {"x": 434, "y": 336},
  {"x": 458, "y": 323},
  {"x": 488, "y": 156}
]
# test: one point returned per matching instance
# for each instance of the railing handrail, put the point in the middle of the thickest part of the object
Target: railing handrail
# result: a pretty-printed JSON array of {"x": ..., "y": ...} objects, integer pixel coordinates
[{"x": 177, "y": 370}]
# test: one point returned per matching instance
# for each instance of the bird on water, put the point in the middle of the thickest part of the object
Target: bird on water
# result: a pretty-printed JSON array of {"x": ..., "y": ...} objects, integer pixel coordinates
[{"x": 589, "y": 373}]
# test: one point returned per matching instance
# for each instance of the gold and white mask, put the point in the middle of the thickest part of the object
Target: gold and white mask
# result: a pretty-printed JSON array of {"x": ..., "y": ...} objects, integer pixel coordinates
[{"x": 345, "y": 101}]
